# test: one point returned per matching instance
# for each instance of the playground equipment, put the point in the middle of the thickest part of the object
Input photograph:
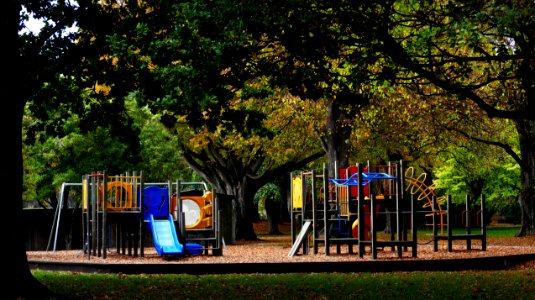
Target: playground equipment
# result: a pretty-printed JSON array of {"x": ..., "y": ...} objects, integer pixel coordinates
[
  {"x": 351, "y": 209},
  {"x": 112, "y": 206},
  {"x": 468, "y": 236},
  {"x": 434, "y": 203},
  {"x": 348, "y": 209},
  {"x": 57, "y": 214},
  {"x": 417, "y": 186},
  {"x": 113, "y": 200},
  {"x": 197, "y": 213},
  {"x": 197, "y": 205},
  {"x": 166, "y": 240}
]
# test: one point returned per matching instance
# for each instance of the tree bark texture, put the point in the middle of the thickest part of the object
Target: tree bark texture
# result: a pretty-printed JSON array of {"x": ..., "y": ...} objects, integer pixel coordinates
[
  {"x": 18, "y": 280},
  {"x": 526, "y": 131}
]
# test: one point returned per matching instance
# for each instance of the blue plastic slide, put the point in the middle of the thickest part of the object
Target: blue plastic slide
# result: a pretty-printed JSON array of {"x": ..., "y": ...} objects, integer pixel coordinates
[{"x": 166, "y": 241}]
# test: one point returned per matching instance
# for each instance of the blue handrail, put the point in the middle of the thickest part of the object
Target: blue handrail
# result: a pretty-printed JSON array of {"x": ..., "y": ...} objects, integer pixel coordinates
[{"x": 367, "y": 177}]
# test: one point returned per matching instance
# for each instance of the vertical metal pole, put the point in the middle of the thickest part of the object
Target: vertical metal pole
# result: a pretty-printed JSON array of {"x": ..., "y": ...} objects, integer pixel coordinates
[
  {"x": 172, "y": 209},
  {"x": 403, "y": 200},
  {"x": 398, "y": 198},
  {"x": 138, "y": 197},
  {"x": 132, "y": 250},
  {"x": 483, "y": 225},
  {"x": 216, "y": 224},
  {"x": 435, "y": 229},
  {"x": 360, "y": 212},
  {"x": 450, "y": 229},
  {"x": 57, "y": 215},
  {"x": 326, "y": 200},
  {"x": 292, "y": 223},
  {"x": 372, "y": 226},
  {"x": 305, "y": 245},
  {"x": 398, "y": 219},
  {"x": 467, "y": 222},
  {"x": 94, "y": 190},
  {"x": 180, "y": 213},
  {"x": 104, "y": 243},
  {"x": 313, "y": 202},
  {"x": 86, "y": 213},
  {"x": 100, "y": 203},
  {"x": 414, "y": 228},
  {"x": 371, "y": 194},
  {"x": 391, "y": 193}
]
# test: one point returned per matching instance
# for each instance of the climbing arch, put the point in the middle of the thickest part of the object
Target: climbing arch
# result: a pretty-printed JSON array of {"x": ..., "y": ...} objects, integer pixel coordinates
[{"x": 424, "y": 192}]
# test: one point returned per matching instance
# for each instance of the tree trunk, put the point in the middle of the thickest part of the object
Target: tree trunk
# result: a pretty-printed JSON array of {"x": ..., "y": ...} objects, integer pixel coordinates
[
  {"x": 338, "y": 132},
  {"x": 255, "y": 214},
  {"x": 285, "y": 215},
  {"x": 526, "y": 132},
  {"x": 273, "y": 215},
  {"x": 244, "y": 216},
  {"x": 19, "y": 281}
]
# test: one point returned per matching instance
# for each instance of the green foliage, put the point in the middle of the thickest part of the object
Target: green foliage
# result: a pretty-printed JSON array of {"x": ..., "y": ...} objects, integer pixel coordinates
[
  {"x": 470, "y": 173},
  {"x": 198, "y": 54},
  {"x": 269, "y": 191},
  {"x": 161, "y": 155},
  {"x": 52, "y": 160},
  {"x": 502, "y": 189}
]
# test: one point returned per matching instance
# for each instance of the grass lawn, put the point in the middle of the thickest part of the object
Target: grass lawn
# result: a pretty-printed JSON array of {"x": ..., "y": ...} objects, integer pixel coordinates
[
  {"x": 492, "y": 231},
  {"x": 518, "y": 284}
]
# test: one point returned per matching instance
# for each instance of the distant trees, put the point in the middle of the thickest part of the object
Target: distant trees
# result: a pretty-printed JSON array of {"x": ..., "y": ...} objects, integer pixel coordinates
[
  {"x": 52, "y": 160},
  {"x": 474, "y": 169}
]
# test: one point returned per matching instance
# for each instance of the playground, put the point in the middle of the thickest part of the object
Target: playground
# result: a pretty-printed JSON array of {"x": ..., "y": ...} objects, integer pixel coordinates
[
  {"x": 351, "y": 210},
  {"x": 325, "y": 226},
  {"x": 123, "y": 214}
]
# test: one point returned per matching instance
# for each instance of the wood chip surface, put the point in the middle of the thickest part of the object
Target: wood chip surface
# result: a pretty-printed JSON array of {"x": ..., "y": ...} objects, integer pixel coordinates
[{"x": 276, "y": 248}]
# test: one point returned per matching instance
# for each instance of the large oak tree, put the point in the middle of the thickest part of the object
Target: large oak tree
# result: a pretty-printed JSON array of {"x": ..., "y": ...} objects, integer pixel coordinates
[{"x": 19, "y": 282}]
